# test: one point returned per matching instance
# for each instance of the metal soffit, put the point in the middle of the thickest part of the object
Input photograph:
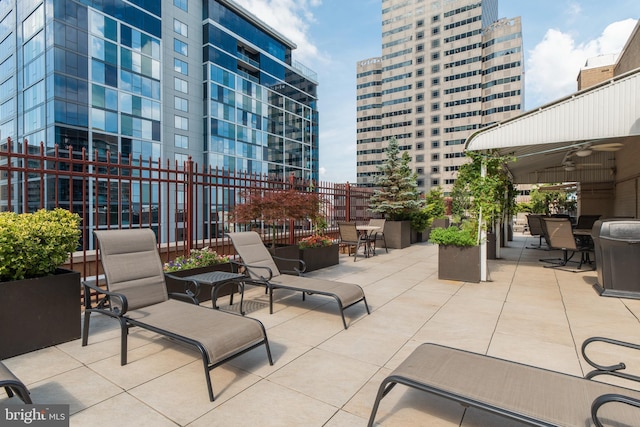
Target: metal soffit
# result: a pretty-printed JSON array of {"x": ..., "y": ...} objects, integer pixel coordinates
[{"x": 572, "y": 139}]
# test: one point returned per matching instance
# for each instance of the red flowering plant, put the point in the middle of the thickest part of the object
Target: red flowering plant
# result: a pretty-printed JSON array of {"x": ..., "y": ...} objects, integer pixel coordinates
[{"x": 315, "y": 241}]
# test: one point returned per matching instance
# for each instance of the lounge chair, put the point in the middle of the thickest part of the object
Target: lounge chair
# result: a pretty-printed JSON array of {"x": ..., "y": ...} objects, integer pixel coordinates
[
  {"x": 12, "y": 385},
  {"x": 136, "y": 295},
  {"x": 261, "y": 269},
  {"x": 535, "y": 225},
  {"x": 520, "y": 392}
]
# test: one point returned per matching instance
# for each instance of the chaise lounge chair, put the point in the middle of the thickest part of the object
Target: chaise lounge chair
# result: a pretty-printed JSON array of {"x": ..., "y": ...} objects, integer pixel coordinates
[
  {"x": 137, "y": 296},
  {"x": 261, "y": 269},
  {"x": 12, "y": 385},
  {"x": 520, "y": 392}
]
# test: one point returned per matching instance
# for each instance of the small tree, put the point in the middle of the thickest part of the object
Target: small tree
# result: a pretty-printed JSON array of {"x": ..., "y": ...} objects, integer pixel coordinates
[
  {"x": 276, "y": 207},
  {"x": 398, "y": 196}
]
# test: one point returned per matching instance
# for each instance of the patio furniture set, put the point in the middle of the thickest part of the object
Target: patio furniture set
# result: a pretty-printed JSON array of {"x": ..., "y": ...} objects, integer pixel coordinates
[{"x": 136, "y": 296}]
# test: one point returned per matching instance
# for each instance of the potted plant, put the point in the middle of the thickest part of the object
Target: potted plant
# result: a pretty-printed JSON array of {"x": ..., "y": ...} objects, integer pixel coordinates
[
  {"x": 318, "y": 251},
  {"x": 39, "y": 302},
  {"x": 397, "y": 196},
  {"x": 198, "y": 261},
  {"x": 458, "y": 252},
  {"x": 434, "y": 209}
]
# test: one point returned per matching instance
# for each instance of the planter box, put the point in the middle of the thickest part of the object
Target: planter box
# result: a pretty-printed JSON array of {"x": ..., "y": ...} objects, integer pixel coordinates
[
  {"x": 321, "y": 257},
  {"x": 289, "y": 252},
  {"x": 419, "y": 236},
  {"x": 460, "y": 263},
  {"x": 39, "y": 312},
  {"x": 397, "y": 234},
  {"x": 205, "y": 290}
]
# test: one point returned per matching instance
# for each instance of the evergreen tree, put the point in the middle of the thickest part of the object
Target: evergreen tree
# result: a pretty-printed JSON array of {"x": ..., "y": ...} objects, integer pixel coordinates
[{"x": 397, "y": 196}]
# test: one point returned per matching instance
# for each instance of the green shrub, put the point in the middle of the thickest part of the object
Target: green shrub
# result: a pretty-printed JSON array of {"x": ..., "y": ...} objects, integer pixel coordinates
[
  {"x": 453, "y": 236},
  {"x": 35, "y": 244},
  {"x": 197, "y": 258}
]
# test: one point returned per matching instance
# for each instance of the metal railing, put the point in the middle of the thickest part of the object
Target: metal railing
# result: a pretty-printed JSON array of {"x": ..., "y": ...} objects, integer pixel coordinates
[{"x": 186, "y": 205}]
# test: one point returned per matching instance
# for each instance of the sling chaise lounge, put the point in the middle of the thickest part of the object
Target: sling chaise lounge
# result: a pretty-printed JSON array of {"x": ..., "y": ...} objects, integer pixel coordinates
[
  {"x": 261, "y": 269},
  {"x": 137, "y": 296},
  {"x": 520, "y": 392},
  {"x": 12, "y": 385}
]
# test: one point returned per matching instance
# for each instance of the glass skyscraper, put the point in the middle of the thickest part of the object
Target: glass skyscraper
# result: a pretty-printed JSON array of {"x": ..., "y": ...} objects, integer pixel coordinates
[{"x": 157, "y": 79}]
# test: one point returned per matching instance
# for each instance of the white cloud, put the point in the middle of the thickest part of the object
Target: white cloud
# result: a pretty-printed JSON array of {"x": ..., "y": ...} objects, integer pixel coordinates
[
  {"x": 554, "y": 63},
  {"x": 291, "y": 18}
]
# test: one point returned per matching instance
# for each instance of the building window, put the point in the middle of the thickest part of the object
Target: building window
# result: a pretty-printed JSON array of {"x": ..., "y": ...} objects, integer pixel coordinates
[
  {"x": 435, "y": 144},
  {"x": 435, "y": 68},
  {"x": 435, "y": 132},
  {"x": 435, "y": 94},
  {"x": 419, "y": 35},
  {"x": 420, "y": 121},
  {"x": 180, "y": 85},
  {"x": 419, "y": 134},
  {"x": 180, "y": 47},
  {"x": 181, "y": 4},
  {"x": 419, "y": 146},
  {"x": 435, "y": 81},
  {"x": 435, "y": 157},
  {"x": 420, "y": 60},
  {"x": 420, "y": 97},
  {"x": 435, "y": 106},
  {"x": 419, "y": 47},
  {"x": 181, "y": 104},
  {"x": 435, "y": 18},
  {"x": 435, "y": 56},
  {"x": 435, "y": 182},
  {"x": 180, "y": 67},
  {"x": 435, "y": 119},
  {"x": 420, "y": 171},
  {"x": 420, "y": 84},
  {"x": 419, "y": 182},
  {"x": 181, "y": 123},
  {"x": 420, "y": 158},
  {"x": 181, "y": 141},
  {"x": 435, "y": 30},
  {"x": 420, "y": 72},
  {"x": 435, "y": 169},
  {"x": 420, "y": 109},
  {"x": 435, "y": 43},
  {"x": 420, "y": 23},
  {"x": 180, "y": 28}
]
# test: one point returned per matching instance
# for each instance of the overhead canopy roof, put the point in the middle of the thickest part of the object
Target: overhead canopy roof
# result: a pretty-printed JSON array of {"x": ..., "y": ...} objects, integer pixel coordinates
[{"x": 544, "y": 142}]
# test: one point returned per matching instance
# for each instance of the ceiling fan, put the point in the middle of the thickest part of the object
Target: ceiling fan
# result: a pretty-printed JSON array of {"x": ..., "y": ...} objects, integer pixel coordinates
[{"x": 588, "y": 148}]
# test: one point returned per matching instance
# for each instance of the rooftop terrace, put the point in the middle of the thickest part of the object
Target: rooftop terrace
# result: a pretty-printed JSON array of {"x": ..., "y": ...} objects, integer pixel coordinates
[{"x": 324, "y": 375}]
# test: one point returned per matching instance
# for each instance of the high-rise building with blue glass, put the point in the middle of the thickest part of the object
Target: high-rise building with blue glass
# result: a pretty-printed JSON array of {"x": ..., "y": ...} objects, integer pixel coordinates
[{"x": 158, "y": 79}]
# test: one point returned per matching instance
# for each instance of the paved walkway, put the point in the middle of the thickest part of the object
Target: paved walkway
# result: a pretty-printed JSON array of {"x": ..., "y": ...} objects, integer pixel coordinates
[{"x": 325, "y": 375}]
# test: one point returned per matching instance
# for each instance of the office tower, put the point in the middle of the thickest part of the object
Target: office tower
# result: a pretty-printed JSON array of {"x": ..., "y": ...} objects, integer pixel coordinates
[
  {"x": 162, "y": 79},
  {"x": 448, "y": 68}
]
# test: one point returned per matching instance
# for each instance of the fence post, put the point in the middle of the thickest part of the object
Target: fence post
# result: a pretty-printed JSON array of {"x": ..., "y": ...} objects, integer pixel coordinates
[
  {"x": 347, "y": 189},
  {"x": 190, "y": 208}
]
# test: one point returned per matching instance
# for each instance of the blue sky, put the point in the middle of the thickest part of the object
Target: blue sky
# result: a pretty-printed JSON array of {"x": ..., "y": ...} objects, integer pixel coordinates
[{"x": 333, "y": 35}]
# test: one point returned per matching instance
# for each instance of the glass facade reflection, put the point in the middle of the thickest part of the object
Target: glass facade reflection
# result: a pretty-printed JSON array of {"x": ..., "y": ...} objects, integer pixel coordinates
[{"x": 156, "y": 79}]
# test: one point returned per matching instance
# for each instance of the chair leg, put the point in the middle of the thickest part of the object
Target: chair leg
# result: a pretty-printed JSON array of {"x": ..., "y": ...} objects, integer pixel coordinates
[
  {"x": 85, "y": 328},
  {"x": 383, "y": 390}
]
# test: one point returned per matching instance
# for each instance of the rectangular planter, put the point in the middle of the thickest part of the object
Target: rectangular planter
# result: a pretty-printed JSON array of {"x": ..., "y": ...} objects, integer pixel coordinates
[
  {"x": 460, "y": 263},
  {"x": 39, "y": 312},
  {"x": 397, "y": 234},
  {"x": 320, "y": 257},
  {"x": 205, "y": 290}
]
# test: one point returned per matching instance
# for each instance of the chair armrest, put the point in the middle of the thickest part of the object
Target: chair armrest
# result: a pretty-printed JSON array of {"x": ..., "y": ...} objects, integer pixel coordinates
[
  {"x": 237, "y": 266},
  {"x": 101, "y": 305},
  {"x": 301, "y": 268},
  {"x": 607, "y": 398},
  {"x": 191, "y": 287},
  {"x": 611, "y": 369}
]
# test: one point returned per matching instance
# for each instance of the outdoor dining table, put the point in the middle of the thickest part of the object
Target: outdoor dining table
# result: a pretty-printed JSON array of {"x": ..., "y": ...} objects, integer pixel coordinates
[
  {"x": 367, "y": 230},
  {"x": 218, "y": 279}
]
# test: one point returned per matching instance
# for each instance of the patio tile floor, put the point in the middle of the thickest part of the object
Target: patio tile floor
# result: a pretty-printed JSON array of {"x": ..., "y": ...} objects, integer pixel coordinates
[{"x": 325, "y": 375}]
